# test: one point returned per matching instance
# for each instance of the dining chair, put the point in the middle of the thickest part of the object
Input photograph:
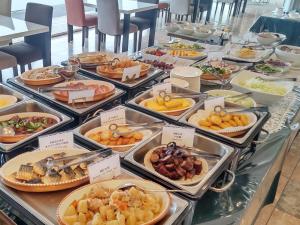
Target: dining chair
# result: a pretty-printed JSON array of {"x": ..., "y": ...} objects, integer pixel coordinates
[
  {"x": 5, "y": 10},
  {"x": 224, "y": 2},
  {"x": 109, "y": 23},
  {"x": 180, "y": 8},
  {"x": 203, "y": 6},
  {"x": 76, "y": 16},
  {"x": 164, "y": 8},
  {"x": 143, "y": 20},
  {"x": 34, "y": 47},
  {"x": 7, "y": 61}
]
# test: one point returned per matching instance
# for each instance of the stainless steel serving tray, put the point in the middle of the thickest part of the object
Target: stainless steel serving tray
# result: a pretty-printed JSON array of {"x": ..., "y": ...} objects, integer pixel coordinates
[
  {"x": 33, "y": 106},
  {"x": 135, "y": 160},
  {"x": 48, "y": 96},
  {"x": 132, "y": 116},
  {"x": 5, "y": 90},
  {"x": 239, "y": 142},
  {"x": 134, "y": 103},
  {"x": 43, "y": 206},
  {"x": 153, "y": 74}
]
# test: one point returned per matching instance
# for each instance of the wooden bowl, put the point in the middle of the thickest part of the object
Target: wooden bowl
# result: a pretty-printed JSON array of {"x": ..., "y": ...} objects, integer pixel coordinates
[
  {"x": 98, "y": 97},
  {"x": 118, "y": 74},
  {"x": 19, "y": 137},
  {"x": 114, "y": 184},
  {"x": 40, "y": 82},
  {"x": 176, "y": 112},
  {"x": 13, "y": 165},
  {"x": 209, "y": 76}
]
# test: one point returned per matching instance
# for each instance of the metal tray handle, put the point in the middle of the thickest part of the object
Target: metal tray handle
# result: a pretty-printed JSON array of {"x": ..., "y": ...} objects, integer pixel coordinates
[
  {"x": 265, "y": 139},
  {"x": 95, "y": 114},
  {"x": 227, "y": 186}
]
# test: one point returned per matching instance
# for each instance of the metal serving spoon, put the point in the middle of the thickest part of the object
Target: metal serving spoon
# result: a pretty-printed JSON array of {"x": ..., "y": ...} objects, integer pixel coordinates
[
  {"x": 276, "y": 79},
  {"x": 127, "y": 186},
  {"x": 142, "y": 126}
]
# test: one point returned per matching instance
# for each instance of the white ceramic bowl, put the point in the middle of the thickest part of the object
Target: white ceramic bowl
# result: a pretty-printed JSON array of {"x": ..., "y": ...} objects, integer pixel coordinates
[
  {"x": 258, "y": 95},
  {"x": 190, "y": 74},
  {"x": 187, "y": 30},
  {"x": 267, "y": 38},
  {"x": 286, "y": 56},
  {"x": 202, "y": 32},
  {"x": 171, "y": 27}
]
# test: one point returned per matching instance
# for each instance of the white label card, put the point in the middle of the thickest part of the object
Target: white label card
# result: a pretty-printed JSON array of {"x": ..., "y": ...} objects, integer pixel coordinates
[
  {"x": 104, "y": 169},
  {"x": 183, "y": 136},
  {"x": 131, "y": 73},
  {"x": 57, "y": 140},
  {"x": 167, "y": 87},
  {"x": 210, "y": 104},
  {"x": 115, "y": 116},
  {"x": 81, "y": 95}
]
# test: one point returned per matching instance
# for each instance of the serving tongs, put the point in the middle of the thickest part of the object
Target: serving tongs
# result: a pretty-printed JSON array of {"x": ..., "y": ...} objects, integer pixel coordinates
[
  {"x": 196, "y": 151},
  {"x": 221, "y": 110},
  {"x": 75, "y": 159},
  {"x": 239, "y": 97},
  {"x": 141, "y": 126},
  {"x": 166, "y": 97},
  {"x": 48, "y": 89},
  {"x": 276, "y": 79}
]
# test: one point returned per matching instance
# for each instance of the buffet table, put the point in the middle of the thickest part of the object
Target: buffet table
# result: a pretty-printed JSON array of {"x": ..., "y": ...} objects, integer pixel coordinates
[
  {"x": 242, "y": 171},
  {"x": 289, "y": 27}
]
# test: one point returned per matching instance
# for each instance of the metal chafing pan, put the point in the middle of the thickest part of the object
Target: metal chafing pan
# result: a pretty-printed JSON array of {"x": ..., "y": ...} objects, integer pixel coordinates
[
  {"x": 153, "y": 74},
  {"x": 134, "y": 103},
  {"x": 132, "y": 116},
  {"x": 48, "y": 97},
  {"x": 135, "y": 160},
  {"x": 239, "y": 142},
  {"x": 5, "y": 90},
  {"x": 43, "y": 206},
  {"x": 33, "y": 106}
]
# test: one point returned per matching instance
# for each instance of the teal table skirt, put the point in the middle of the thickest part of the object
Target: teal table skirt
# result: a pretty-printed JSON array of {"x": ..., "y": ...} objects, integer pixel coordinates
[{"x": 291, "y": 28}]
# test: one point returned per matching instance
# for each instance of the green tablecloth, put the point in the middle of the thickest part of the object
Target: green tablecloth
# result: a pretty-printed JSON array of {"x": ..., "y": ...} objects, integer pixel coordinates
[{"x": 289, "y": 27}]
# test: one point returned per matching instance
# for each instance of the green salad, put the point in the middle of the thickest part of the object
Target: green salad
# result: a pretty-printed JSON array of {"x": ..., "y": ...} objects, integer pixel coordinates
[
  {"x": 265, "y": 68},
  {"x": 212, "y": 70}
]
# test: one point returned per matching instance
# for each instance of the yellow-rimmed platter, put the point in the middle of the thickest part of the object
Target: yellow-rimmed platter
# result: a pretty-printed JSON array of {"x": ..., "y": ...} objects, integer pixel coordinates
[
  {"x": 104, "y": 136},
  {"x": 19, "y": 126},
  {"x": 149, "y": 208},
  {"x": 27, "y": 172}
]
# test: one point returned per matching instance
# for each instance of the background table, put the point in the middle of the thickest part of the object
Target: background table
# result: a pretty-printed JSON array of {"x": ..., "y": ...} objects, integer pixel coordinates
[
  {"x": 289, "y": 27},
  {"x": 11, "y": 28},
  {"x": 127, "y": 7}
]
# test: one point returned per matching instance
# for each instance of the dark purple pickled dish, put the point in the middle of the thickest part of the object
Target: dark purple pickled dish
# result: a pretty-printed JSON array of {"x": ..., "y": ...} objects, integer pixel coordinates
[{"x": 175, "y": 162}]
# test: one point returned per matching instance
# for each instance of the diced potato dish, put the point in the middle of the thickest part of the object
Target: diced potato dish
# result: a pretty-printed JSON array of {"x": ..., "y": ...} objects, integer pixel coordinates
[{"x": 103, "y": 206}]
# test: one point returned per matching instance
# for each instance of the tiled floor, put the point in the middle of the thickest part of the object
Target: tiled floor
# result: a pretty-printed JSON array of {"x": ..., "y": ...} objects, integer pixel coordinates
[{"x": 286, "y": 208}]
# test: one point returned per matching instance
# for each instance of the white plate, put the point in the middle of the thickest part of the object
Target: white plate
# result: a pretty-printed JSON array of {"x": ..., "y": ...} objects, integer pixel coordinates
[{"x": 260, "y": 55}]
